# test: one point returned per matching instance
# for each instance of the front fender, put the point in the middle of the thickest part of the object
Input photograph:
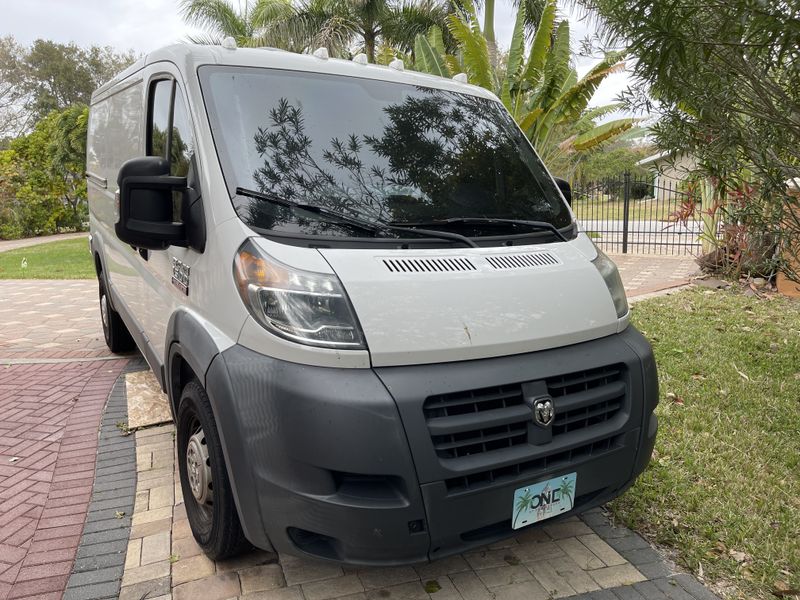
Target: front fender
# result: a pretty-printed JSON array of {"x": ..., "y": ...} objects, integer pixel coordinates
[{"x": 190, "y": 338}]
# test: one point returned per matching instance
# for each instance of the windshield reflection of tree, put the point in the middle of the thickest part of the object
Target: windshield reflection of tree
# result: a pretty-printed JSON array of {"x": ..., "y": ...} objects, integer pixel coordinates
[{"x": 441, "y": 154}]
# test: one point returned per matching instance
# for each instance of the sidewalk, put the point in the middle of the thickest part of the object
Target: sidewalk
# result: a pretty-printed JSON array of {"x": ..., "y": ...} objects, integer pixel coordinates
[
  {"x": 25, "y": 242},
  {"x": 647, "y": 273}
]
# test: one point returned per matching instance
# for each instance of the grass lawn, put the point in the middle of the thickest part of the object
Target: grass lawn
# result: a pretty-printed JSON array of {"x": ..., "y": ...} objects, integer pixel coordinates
[
  {"x": 723, "y": 488},
  {"x": 604, "y": 209},
  {"x": 66, "y": 259}
]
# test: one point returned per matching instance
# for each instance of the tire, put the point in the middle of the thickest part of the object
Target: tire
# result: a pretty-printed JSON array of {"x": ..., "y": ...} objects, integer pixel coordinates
[
  {"x": 207, "y": 493},
  {"x": 118, "y": 338}
]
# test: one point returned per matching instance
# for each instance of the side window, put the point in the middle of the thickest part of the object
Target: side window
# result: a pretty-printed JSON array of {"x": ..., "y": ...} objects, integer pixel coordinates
[
  {"x": 160, "y": 105},
  {"x": 170, "y": 129},
  {"x": 170, "y": 134},
  {"x": 182, "y": 138}
]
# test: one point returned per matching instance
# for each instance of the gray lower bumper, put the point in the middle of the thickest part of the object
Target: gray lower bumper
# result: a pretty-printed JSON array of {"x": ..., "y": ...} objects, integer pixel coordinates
[{"x": 341, "y": 464}]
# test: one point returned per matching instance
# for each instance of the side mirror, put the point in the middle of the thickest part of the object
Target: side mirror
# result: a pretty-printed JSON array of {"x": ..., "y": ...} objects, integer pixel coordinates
[
  {"x": 565, "y": 188},
  {"x": 145, "y": 204}
]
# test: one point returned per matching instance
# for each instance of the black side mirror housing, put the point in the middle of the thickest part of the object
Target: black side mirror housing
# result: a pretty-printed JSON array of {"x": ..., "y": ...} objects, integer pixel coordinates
[
  {"x": 566, "y": 189},
  {"x": 145, "y": 204}
]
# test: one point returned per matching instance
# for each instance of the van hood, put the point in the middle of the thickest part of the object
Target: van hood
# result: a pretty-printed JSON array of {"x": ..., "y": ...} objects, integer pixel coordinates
[{"x": 428, "y": 306}]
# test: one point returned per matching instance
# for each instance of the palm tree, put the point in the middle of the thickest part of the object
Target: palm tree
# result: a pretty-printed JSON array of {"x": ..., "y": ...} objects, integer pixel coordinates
[
  {"x": 220, "y": 19},
  {"x": 341, "y": 26},
  {"x": 566, "y": 489},
  {"x": 523, "y": 504},
  {"x": 533, "y": 12},
  {"x": 541, "y": 91}
]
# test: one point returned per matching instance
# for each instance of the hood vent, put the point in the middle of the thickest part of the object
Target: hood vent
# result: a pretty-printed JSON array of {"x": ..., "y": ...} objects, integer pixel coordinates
[
  {"x": 523, "y": 261},
  {"x": 428, "y": 265}
]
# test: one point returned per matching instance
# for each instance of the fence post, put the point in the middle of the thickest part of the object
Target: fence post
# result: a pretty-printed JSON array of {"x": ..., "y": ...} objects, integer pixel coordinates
[{"x": 626, "y": 204}]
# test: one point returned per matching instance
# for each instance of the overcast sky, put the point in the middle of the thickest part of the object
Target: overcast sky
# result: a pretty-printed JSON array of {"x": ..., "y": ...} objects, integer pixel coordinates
[{"x": 143, "y": 25}]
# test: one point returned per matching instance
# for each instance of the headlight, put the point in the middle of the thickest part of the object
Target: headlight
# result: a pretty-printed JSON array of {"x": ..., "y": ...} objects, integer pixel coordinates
[
  {"x": 611, "y": 276},
  {"x": 305, "y": 307}
]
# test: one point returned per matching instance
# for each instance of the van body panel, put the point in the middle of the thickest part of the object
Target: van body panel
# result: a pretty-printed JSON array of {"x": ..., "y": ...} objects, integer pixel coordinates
[
  {"x": 115, "y": 133},
  {"x": 423, "y": 316}
]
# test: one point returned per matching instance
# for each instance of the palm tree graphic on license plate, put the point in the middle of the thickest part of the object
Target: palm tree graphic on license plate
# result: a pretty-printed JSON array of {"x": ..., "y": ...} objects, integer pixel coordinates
[{"x": 543, "y": 500}]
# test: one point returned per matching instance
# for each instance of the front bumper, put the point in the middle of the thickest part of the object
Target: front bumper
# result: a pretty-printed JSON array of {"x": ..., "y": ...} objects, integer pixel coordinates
[{"x": 364, "y": 466}]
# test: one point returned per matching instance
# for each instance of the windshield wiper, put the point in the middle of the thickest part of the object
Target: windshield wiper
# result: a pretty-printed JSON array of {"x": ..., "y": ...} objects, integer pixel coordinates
[
  {"x": 535, "y": 225},
  {"x": 362, "y": 224}
]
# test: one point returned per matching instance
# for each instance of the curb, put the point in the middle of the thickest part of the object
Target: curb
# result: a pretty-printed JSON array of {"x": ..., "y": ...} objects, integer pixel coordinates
[{"x": 100, "y": 558}]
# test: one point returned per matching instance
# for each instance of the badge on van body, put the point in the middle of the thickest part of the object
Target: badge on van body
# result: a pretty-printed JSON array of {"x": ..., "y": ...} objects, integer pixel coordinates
[
  {"x": 180, "y": 275},
  {"x": 543, "y": 411}
]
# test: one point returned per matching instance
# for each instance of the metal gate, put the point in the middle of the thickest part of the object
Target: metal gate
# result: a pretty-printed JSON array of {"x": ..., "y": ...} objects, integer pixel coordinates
[{"x": 639, "y": 215}]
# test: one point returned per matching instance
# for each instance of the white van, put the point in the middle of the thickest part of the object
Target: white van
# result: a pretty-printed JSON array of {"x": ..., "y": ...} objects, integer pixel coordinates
[{"x": 384, "y": 337}]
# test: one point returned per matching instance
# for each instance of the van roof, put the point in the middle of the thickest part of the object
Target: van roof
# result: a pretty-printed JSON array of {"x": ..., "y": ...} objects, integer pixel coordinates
[{"x": 187, "y": 57}]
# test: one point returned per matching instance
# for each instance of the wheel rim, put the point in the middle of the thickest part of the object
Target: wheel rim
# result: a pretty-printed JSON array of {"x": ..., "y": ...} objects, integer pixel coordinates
[
  {"x": 104, "y": 310},
  {"x": 198, "y": 470}
]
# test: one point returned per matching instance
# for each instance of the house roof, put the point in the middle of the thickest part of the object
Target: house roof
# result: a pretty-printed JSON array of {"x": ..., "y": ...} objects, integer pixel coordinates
[{"x": 654, "y": 158}]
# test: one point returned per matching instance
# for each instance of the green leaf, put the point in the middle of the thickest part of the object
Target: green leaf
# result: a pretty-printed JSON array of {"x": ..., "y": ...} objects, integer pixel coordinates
[
  {"x": 574, "y": 100},
  {"x": 541, "y": 43},
  {"x": 529, "y": 119},
  {"x": 514, "y": 58},
  {"x": 474, "y": 50},
  {"x": 602, "y": 133},
  {"x": 600, "y": 111},
  {"x": 428, "y": 58},
  {"x": 436, "y": 40},
  {"x": 556, "y": 69},
  {"x": 453, "y": 64}
]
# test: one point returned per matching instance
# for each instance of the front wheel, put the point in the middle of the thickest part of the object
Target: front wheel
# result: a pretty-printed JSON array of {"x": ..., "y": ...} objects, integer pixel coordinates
[{"x": 204, "y": 479}]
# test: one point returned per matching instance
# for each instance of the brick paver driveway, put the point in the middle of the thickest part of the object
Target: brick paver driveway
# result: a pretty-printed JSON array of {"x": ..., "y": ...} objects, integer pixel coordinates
[
  {"x": 647, "y": 273},
  {"x": 55, "y": 377}
]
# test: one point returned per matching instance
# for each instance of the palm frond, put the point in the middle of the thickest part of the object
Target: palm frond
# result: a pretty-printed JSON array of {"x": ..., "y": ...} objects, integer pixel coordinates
[
  {"x": 205, "y": 39},
  {"x": 600, "y": 111},
  {"x": 574, "y": 100},
  {"x": 267, "y": 12},
  {"x": 217, "y": 16},
  {"x": 401, "y": 24},
  {"x": 474, "y": 49},
  {"x": 601, "y": 133},
  {"x": 515, "y": 55},
  {"x": 529, "y": 120},
  {"x": 534, "y": 68},
  {"x": 556, "y": 68},
  {"x": 453, "y": 64},
  {"x": 428, "y": 58}
]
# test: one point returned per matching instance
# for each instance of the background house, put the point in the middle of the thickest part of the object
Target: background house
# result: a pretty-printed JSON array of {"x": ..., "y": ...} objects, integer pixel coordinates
[{"x": 671, "y": 171}]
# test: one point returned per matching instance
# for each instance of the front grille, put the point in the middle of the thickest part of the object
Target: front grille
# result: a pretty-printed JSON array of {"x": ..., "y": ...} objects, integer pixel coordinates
[
  {"x": 492, "y": 420},
  {"x": 530, "y": 468},
  {"x": 477, "y": 421},
  {"x": 586, "y": 398}
]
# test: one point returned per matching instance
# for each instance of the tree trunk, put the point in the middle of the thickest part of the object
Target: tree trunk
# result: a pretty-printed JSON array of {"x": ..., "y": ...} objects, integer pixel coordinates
[
  {"x": 709, "y": 216},
  {"x": 488, "y": 30},
  {"x": 369, "y": 46}
]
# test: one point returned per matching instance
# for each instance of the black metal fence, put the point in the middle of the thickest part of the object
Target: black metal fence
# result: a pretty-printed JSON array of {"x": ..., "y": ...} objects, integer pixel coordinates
[{"x": 631, "y": 214}]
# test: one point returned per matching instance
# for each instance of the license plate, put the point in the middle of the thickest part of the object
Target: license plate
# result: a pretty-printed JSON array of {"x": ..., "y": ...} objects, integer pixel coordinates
[{"x": 543, "y": 500}]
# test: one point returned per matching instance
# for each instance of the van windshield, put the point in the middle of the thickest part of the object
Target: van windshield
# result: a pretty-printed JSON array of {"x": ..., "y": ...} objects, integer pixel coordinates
[{"x": 374, "y": 150}]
